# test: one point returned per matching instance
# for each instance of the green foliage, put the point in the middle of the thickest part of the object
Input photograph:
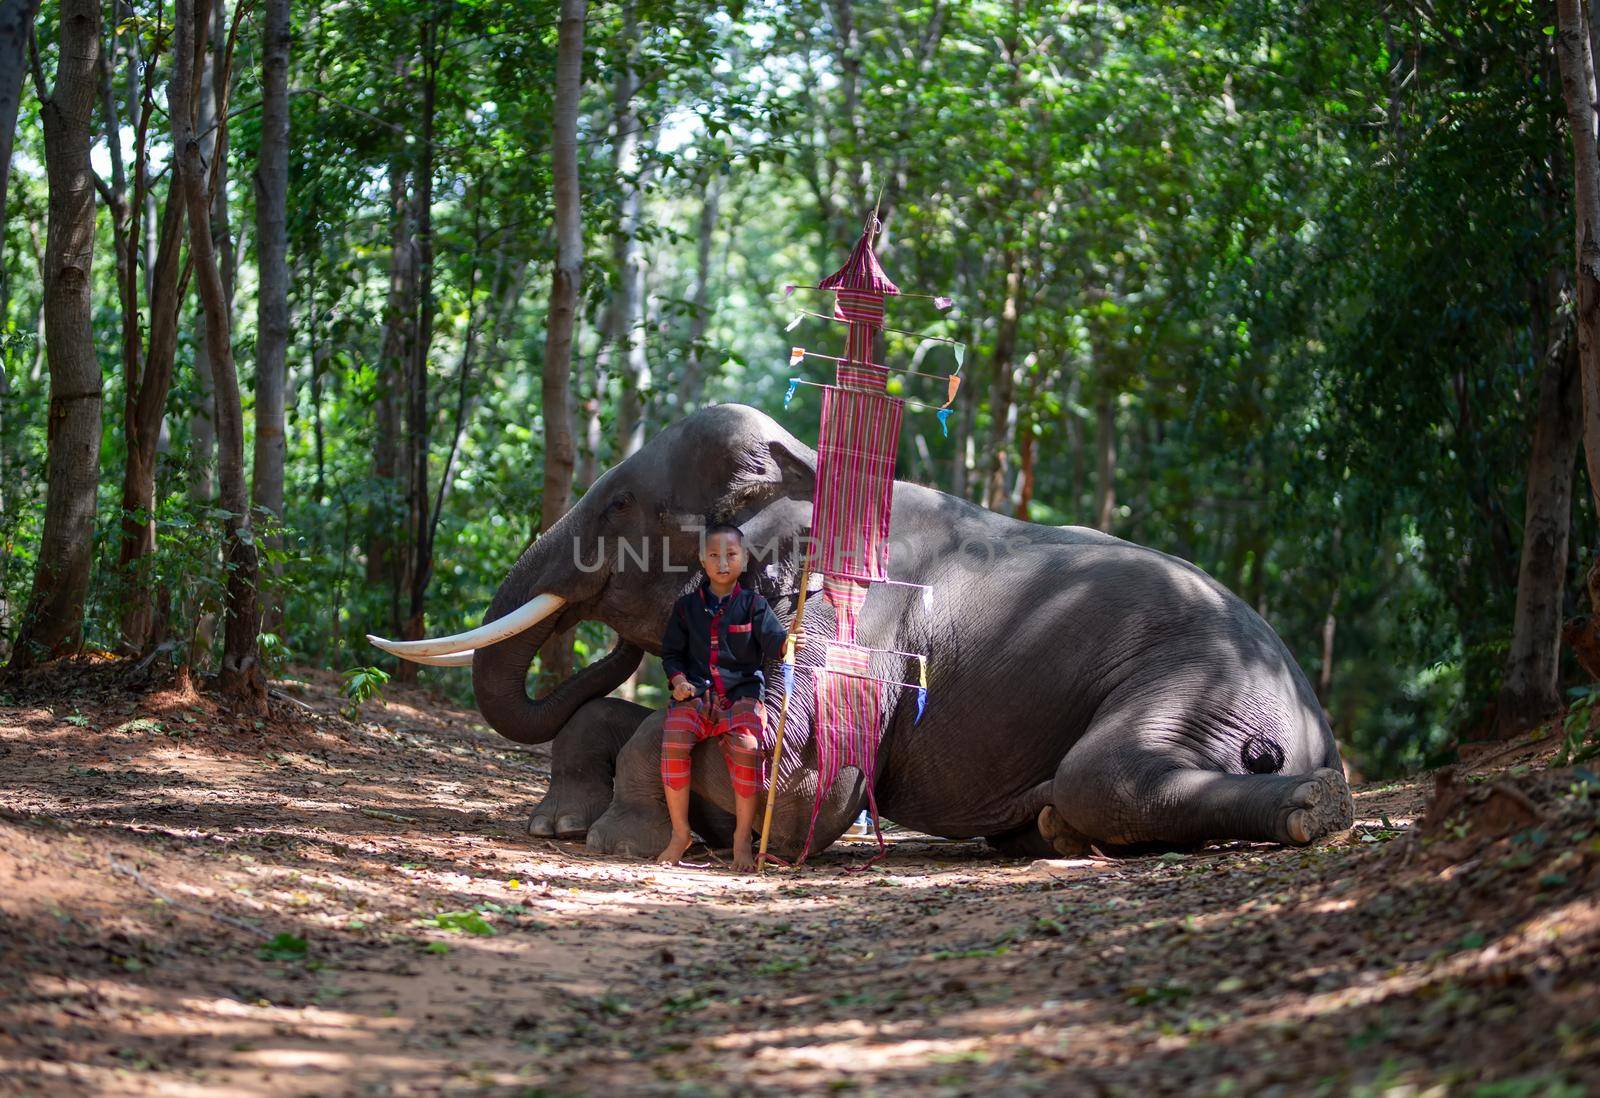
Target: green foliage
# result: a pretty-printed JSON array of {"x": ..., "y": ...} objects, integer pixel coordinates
[
  {"x": 1292, "y": 266},
  {"x": 362, "y": 684},
  {"x": 1580, "y": 739},
  {"x": 462, "y": 922},
  {"x": 284, "y": 947}
]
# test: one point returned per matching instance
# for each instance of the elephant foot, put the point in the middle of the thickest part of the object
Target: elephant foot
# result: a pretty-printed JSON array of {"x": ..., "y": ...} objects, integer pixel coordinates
[
  {"x": 1065, "y": 841},
  {"x": 632, "y": 831},
  {"x": 550, "y": 820},
  {"x": 1320, "y": 805},
  {"x": 583, "y": 762}
]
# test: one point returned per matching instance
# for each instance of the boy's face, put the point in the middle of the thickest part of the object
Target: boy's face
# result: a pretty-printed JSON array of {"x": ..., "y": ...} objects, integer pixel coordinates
[{"x": 723, "y": 558}]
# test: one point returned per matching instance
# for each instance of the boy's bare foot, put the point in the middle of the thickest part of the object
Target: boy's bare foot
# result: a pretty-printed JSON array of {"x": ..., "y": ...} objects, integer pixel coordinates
[
  {"x": 675, "y": 849},
  {"x": 744, "y": 858}
]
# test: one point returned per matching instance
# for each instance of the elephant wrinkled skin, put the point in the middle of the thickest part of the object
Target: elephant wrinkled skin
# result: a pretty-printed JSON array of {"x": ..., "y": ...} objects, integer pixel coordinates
[{"x": 1082, "y": 690}]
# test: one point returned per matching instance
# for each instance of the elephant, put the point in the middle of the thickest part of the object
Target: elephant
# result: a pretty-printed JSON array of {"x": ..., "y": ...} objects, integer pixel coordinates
[{"x": 1083, "y": 691}]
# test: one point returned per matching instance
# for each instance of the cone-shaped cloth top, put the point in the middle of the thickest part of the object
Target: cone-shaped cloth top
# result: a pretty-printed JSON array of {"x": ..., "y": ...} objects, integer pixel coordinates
[{"x": 861, "y": 271}]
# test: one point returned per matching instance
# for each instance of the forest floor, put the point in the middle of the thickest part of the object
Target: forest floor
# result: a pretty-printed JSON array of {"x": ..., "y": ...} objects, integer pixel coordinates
[{"x": 192, "y": 903}]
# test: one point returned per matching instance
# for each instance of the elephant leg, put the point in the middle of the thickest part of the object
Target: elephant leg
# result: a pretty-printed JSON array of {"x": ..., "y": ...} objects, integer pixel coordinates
[
  {"x": 1044, "y": 835},
  {"x": 583, "y": 766},
  {"x": 636, "y": 824},
  {"x": 1117, "y": 789}
]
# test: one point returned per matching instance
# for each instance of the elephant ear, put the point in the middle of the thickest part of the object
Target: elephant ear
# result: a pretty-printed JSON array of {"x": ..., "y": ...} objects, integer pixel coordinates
[{"x": 770, "y": 500}]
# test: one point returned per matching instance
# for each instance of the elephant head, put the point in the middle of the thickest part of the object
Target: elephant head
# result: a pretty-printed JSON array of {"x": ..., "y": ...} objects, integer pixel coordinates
[{"x": 624, "y": 553}]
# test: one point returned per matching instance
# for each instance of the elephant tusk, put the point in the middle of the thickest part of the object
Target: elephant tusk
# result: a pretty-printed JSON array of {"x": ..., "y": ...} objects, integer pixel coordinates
[
  {"x": 455, "y": 659},
  {"x": 524, "y": 617}
]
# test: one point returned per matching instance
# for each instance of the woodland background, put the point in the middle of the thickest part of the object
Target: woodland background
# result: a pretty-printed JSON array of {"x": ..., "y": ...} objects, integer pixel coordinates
[{"x": 1283, "y": 289}]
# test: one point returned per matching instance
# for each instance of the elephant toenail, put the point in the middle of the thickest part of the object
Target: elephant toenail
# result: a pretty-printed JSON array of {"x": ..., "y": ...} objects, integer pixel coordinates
[
  {"x": 540, "y": 826},
  {"x": 1299, "y": 826}
]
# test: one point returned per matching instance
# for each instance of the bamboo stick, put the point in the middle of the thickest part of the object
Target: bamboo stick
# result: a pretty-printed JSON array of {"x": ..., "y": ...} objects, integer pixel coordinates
[{"x": 783, "y": 714}]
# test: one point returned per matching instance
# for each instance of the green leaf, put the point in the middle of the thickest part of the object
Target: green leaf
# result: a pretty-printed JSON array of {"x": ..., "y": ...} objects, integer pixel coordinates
[
  {"x": 463, "y": 922},
  {"x": 284, "y": 947}
]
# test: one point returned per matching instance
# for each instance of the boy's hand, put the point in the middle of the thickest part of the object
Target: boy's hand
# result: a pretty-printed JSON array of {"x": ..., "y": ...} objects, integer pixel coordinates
[{"x": 681, "y": 689}]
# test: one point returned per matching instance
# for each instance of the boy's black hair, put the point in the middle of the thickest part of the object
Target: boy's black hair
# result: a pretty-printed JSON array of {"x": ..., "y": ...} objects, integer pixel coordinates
[{"x": 724, "y": 528}]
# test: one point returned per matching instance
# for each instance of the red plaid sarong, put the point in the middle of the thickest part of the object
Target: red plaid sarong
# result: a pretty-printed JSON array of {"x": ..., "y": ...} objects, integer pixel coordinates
[{"x": 739, "y": 724}]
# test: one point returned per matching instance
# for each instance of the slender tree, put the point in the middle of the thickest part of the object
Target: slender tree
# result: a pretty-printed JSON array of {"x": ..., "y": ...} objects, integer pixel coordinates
[
  {"x": 53, "y": 621},
  {"x": 241, "y": 677},
  {"x": 418, "y": 559},
  {"x": 272, "y": 248},
  {"x": 694, "y": 370},
  {"x": 556, "y": 385},
  {"x": 1578, "y": 89},
  {"x": 148, "y": 349},
  {"x": 16, "y": 19},
  {"x": 627, "y": 308},
  {"x": 1531, "y": 690},
  {"x": 393, "y": 354}
]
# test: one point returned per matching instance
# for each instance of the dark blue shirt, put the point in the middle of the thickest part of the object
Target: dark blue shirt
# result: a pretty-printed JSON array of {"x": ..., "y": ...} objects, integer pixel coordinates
[{"x": 747, "y": 634}]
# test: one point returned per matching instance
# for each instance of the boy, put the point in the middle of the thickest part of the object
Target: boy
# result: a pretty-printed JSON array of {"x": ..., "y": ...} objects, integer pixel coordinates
[{"x": 716, "y": 640}]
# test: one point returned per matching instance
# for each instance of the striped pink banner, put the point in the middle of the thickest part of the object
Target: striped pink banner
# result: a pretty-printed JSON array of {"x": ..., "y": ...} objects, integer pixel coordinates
[
  {"x": 847, "y": 724},
  {"x": 855, "y": 484},
  {"x": 847, "y": 596}
]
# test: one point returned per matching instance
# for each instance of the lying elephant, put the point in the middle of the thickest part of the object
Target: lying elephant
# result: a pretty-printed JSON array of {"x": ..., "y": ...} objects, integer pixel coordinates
[{"x": 1082, "y": 689}]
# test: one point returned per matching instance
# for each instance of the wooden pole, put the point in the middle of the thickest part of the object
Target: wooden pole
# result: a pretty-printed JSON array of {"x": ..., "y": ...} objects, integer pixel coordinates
[{"x": 783, "y": 714}]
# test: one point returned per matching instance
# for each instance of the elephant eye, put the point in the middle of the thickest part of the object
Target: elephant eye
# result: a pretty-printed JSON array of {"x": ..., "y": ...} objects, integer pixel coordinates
[{"x": 619, "y": 503}]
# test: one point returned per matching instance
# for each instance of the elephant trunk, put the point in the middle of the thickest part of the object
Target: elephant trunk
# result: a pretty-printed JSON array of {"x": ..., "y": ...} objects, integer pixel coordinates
[
  {"x": 500, "y": 670},
  {"x": 500, "y": 677}
]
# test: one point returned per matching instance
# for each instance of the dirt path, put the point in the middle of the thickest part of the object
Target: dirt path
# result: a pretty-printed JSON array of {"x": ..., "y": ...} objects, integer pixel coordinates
[{"x": 193, "y": 905}]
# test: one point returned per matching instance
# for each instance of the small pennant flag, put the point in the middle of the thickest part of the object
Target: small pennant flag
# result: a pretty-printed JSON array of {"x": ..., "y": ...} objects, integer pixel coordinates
[
  {"x": 942, "y": 413},
  {"x": 788, "y": 289},
  {"x": 942, "y": 302},
  {"x": 795, "y": 323},
  {"x": 922, "y": 686},
  {"x": 788, "y": 677},
  {"x": 795, "y": 355},
  {"x": 961, "y": 354},
  {"x": 953, "y": 387},
  {"x": 927, "y": 598},
  {"x": 794, "y": 383}
]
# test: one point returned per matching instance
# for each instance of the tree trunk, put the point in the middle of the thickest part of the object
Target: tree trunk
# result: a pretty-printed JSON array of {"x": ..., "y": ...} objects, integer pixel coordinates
[
  {"x": 144, "y": 405},
  {"x": 627, "y": 312},
  {"x": 240, "y": 679},
  {"x": 591, "y": 388},
  {"x": 203, "y": 412},
  {"x": 1025, "y": 467},
  {"x": 1002, "y": 400},
  {"x": 1578, "y": 89},
  {"x": 1531, "y": 690},
  {"x": 556, "y": 384},
  {"x": 393, "y": 355},
  {"x": 53, "y": 622},
  {"x": 16, "y": 18},
  {"x": 418, "y": 569},
  {"x": 272, "y": 295},
  {"x": 694, "y": 373},
  {"x": 1330, "y": 626},
  {"x": 1105, "y": 485}
]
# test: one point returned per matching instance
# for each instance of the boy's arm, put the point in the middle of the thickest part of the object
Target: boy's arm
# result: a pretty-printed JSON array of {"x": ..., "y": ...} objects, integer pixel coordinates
[
  {"x": 772, "y": 632},
  {"x": 674, "y": 647}
]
